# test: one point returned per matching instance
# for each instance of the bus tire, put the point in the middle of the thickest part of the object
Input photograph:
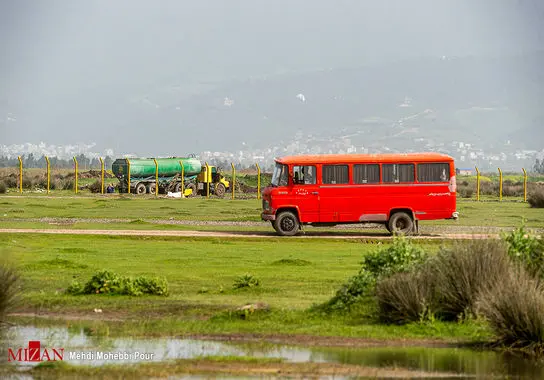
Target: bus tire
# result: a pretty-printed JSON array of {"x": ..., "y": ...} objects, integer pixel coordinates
[
  {"x": 140, "y": 188},
  {"x": 401, "y": 223},
  {"x": 286, "y": 224}
]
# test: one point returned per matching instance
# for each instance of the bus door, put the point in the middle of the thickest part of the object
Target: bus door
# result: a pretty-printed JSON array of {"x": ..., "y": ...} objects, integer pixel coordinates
[{"x": 306, "y": 192}]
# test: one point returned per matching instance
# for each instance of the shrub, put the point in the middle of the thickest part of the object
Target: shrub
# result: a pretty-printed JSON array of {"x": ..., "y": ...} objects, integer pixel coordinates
[
  {"x": 512, "y": 190},
  {"x": 28, "y": 183},
  {"x": 3, "y": 187},
  {"x": 156, "y": 285},
  {"x": 246, "y": 281},
  {"x": 106, "y": 282},
  {"x": 62, "y": 184},
  {"x": 515, "y": 310},
  {"x": 405, "y": 297},
  {"x": 400, "y": 256},
  {"x": 8, "y": 289},
  {"x": 11, "y": 181},
  {"x": 536, "y": 197},
  {"x": 527, "y": 250},
  {"x": 466, "y": 192},
  {"x": 351, "y": 292},
  {"x": 464, "y": 271},
  {"x": 95, "y": 187}
]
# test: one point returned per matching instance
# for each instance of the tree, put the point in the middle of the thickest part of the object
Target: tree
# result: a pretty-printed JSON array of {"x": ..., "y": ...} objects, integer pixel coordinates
[{"x": 539, "y": 166}]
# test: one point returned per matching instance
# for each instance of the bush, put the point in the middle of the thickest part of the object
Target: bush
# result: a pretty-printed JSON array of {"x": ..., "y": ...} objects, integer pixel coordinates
[
  {"x": 28, "y": 183},
  {"x": 515, "y": 311},
  {"x": 536, "y": 197},
  {"x": 62, "y": 184},
  {"x": 526, "y": 250},
  {"x": 464, "y": 271},
  {"x": 466, "y": 192},
  {"x": 400, "y": 256},
  {"x": 3, "y": 187},
  {"x": 8, "y": 289},
  {"x": 351, "y": 292},
  {"x": 512, "y": 190},
  {"x": 11, "y": 181},
  {"x": 106, "y": 282},
  {"x": 96, "y": 187},
  {"x": 246, "y": 281},
  {"x": 405, "y": 297}
]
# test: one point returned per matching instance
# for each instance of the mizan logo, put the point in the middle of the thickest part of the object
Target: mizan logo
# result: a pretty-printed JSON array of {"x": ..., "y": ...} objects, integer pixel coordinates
[{"x": 35, "y": 353}]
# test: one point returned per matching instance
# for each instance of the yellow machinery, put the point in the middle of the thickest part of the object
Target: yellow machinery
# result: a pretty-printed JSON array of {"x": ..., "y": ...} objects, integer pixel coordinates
[{"x": 211, "y": 181}]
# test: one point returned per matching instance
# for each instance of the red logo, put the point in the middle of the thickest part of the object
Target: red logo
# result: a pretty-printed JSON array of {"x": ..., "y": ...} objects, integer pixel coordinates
[{"x": 35, "y": 353}]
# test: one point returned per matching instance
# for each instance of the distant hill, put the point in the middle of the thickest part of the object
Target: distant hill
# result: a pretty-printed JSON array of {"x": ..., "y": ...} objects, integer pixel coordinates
[
  {"x": 481, "y": 101},
  {"x": 412, "y": 105}
]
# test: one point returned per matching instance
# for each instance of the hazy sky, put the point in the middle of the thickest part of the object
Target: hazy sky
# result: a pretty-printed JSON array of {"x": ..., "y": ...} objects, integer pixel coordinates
[{"x": 52, "y": 52}]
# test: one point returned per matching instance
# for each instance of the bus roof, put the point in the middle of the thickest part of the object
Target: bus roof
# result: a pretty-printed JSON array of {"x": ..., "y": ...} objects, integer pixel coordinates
[{"x": 360, "y": 158}]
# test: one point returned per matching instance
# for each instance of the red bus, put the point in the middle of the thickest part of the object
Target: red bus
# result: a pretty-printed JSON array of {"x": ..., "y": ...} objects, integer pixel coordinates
[{"x": 397, "y": 190}]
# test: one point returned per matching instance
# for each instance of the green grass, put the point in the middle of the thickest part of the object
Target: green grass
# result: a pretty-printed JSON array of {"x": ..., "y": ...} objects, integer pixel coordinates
[
  {"x": 131, "y": 208},
  {"x": 48, "y": 265}
]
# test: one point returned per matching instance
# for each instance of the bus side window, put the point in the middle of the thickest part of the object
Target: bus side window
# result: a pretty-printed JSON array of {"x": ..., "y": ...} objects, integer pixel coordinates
[{"x": 304, "y": 175}]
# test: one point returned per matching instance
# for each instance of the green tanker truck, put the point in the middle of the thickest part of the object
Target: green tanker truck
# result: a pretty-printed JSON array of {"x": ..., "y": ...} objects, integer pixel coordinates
[{"x": 143, "y": 176}]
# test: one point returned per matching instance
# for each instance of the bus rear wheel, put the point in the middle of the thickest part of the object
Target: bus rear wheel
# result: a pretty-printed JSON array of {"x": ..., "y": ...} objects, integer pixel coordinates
[
  {"x": 286, "y": 224},
  {"x": 401, "y": 223}
]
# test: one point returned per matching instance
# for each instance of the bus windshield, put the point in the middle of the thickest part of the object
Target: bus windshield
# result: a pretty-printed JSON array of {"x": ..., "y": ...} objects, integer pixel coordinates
[{"x": 279, "y": 177}]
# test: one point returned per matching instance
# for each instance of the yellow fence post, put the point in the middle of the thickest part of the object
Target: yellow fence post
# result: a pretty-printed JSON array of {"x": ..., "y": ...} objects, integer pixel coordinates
[
  {"x": 20, "y": 175},
  {"x": 258, "y": 181},
  {"x": 101, "y": 175},
  {"x": 48, "y": 174},
  {"x": 477, "y": 184},
  {"x": 128, "y": 174},
  {"x": 233, "y": 187},
  {"x": 156, "y": 177},
  {"x": 524, "y": 185},
  {"x": 208, "y": 177},
  {"x": 75, "y": 174},
  {"x": 182, "y": 179},
  {"x": 500, "y": 184}
]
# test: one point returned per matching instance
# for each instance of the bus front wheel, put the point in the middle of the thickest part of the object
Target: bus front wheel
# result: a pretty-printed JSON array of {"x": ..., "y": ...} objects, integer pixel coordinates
[
  {"x": 286, "y": 224},
  {"x": 401, "y": 223}
]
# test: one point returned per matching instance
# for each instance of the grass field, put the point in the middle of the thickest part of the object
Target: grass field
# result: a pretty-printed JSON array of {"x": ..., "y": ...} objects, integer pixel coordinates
[
  {"x": 294, "y": 274},
  {"x": 136, "y": 210}
]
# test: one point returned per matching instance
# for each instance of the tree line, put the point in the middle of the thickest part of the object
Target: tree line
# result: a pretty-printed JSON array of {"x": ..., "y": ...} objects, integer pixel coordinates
[{"x": 31, "y": 161}]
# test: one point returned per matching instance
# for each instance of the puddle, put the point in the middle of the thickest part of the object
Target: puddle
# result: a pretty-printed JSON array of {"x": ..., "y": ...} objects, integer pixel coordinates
[{"x": 82, "y": 347}]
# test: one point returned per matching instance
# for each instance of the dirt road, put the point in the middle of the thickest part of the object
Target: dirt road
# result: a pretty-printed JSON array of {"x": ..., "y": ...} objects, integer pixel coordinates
[{"x": 242, "y": 234}]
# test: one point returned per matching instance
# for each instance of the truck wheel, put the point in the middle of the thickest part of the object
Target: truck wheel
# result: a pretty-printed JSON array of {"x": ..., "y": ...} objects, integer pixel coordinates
[
  {"x": 401, "y": 223},
  {"x": 177, "y": 188},
  {"x": 191, "y": 186},
  {"x": 220, "y": 189},
  {"x": 140, "y": 188},
  {"x": 286, "y": 224},
  {"x": 151, "y": 188}
]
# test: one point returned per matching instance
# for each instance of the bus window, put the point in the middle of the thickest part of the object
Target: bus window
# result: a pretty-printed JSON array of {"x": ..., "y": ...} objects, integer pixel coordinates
[
  {"x": 335, "y": 174},
  {"x": 433, "y": 172},
  {"x": 366, "y": 173},
  {"x": 396, "y": 173},
  {"x": 280, "y": 175},
  {"x": 304, "y": 175}
]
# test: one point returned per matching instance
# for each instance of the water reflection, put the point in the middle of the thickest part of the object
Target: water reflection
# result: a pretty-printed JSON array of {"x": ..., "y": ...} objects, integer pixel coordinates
[{"x": 451, "y": 360}]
